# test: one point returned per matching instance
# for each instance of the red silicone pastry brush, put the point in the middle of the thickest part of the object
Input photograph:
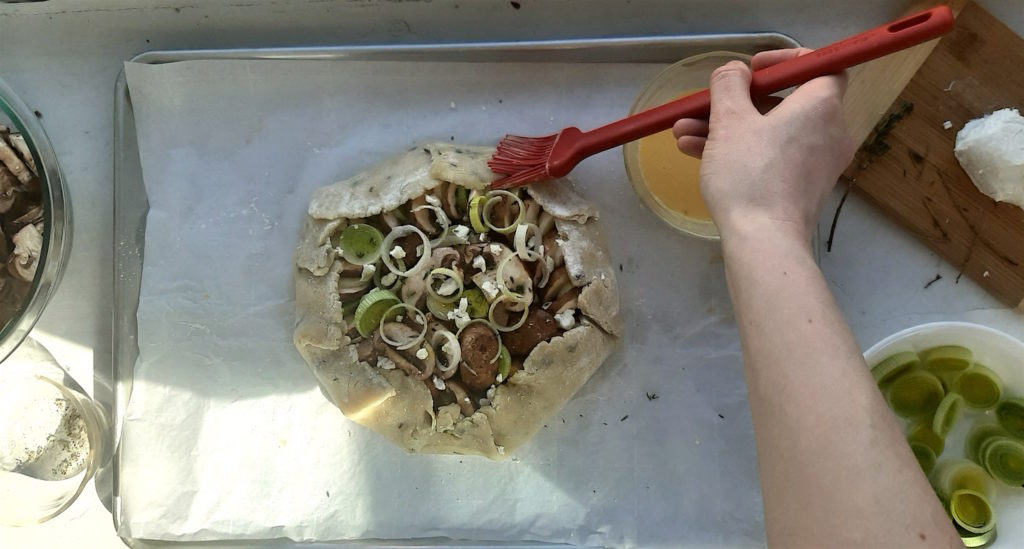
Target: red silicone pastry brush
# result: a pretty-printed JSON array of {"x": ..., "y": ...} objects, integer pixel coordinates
[{"x": 525, "y": 160}]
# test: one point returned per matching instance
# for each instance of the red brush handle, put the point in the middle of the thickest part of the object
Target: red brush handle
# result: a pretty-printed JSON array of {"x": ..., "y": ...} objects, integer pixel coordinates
[{"x": 892, "y": 37}]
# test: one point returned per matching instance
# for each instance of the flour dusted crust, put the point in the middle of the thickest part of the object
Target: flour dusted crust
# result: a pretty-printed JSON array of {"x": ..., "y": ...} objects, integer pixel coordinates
[{"x": 392, "y": 402}]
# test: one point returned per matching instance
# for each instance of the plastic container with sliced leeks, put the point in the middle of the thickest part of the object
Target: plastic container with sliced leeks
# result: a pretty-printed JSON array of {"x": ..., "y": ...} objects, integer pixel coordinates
[{"x": 958, "y": 390}]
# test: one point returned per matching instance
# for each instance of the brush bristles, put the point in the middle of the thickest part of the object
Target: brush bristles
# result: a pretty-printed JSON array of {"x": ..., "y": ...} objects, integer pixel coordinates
[{"x": 523, "y": 159}]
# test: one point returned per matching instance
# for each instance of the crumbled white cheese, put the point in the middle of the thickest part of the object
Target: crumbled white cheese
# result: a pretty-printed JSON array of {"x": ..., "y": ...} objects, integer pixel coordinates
[
  {"x": 389, "y": 279},
  {"x": 460, "y": 231},
  {"x": 947, "y": 125},
  {"x": 985, "y": 274},
  {"x": 566, "y": 319},
  {"x": 367, "y": 273},
  {"x": 385, "y": 363},
  {"x": 399, "y": 318},
  {"x": 432, "y": 200},
  {"x": 448, "y": 287},
  {"x": 397, "y": 252},
  {"x": 495, "y": 249},
  {"x": 439, "y": 383},
  {"x": 480, "y": 263},
  {"x": 501, "y": 450},
  {"x": 990, "y": 152},
  {"x": 489, "y": 289},
  {"x": 483, "y": 237},
  {"x": 447, "y": 348},
  {"x": 499, "y": 378},
  {"x": 490, "y": 392},
  {"x": 422, "y": 353},
  {"x": 459, "y": 314}
]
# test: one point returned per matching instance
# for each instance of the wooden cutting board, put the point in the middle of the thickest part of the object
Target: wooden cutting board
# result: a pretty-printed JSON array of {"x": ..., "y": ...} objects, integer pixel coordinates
[{"x": 907, "y": 167}]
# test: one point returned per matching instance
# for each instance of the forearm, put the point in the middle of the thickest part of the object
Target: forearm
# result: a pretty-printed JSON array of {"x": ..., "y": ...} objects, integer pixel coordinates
[{"x": 834, "y": 467}]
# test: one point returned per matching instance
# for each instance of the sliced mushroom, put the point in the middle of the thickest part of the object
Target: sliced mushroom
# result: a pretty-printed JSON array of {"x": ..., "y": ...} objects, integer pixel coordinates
[
  {"x": 8, "y": 189},
  {"x": 390, "y": 219},
  {"x": 558, "y": 284},
  {"x": 545, "y": 222},
  {"x": 449, "y": 202},
  {"x": 17, "y": 141},
  {"x": 539, "y": 327},
  {"x": 4, "y": 248},
  {"x": 28, "y": 244},
  {"x": 422, "y": 217},
  {"x": 479, "y": 346},
  {"x": 31, "y": 216},
  {"x": 365, "y": 351},
  {"x": 399, "y": 332},
  {"x": 533, "y": 210},
  {"x": 349, "y": 287},
  {"x": 423, "y": 372},
  {"x": 552, "y": 249},
  {"x": 10, "y": 158},
  {"x": 472, "y": 251},
  {"x": 566, "y": 301},
  {"x": 462, "y": 397},
  {"x": 350, "y": 269}
]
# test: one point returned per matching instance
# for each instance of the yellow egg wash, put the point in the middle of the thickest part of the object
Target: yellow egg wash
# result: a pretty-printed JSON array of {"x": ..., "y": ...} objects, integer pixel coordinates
[{"x": 671, "y": 176}]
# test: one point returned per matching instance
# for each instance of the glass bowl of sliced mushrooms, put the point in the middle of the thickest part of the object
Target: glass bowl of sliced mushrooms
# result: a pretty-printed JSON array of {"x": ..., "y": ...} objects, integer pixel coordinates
[{"x": 35, "y": 220}]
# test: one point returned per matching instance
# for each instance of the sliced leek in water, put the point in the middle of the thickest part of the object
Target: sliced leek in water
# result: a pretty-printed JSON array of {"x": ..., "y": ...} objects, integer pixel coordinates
[
  {"x": 947, "y": 358},
  {"x": 1004, "y": 460},
  {"x": 925, "y": 456},
  {"x": 950, "y": 476},
  {"x": 922, "y": 433},
  {"x": 977, "y": 436},
  {"x": 894, "y": 365},
  {"x": 915, "y": 394},
  {"x": 971, "y": 511},
  {"x": 947, "y": 413},
  {"x": 976, "y": 540},
  {"x": 1010, "y": 414},
  {"x": 980, "y": 387},
  {"x": 360, "y": 243}
]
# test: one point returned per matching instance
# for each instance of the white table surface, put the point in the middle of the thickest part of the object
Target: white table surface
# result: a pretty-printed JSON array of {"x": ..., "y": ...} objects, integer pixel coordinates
[{"x": 62, "y": 57}]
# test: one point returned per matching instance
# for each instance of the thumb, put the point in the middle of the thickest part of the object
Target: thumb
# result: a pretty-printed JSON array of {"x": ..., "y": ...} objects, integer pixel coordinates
[{"x": 730, "y": 92}]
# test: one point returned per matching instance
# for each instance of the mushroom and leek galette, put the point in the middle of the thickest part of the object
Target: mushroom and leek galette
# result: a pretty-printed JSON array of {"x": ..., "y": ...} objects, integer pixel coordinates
[{"x": 449, "y": 318}]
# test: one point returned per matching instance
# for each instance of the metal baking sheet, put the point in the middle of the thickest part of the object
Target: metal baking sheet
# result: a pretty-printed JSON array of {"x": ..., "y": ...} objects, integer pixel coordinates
[{"x": 130, "y": 203}]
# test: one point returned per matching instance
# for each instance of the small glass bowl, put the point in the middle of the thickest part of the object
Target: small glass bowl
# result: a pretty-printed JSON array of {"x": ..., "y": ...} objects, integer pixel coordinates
[
  {"x": 691, "y": 73},
  {"x": 53, "y": 437},
  {"x": 56, "y": 221}
]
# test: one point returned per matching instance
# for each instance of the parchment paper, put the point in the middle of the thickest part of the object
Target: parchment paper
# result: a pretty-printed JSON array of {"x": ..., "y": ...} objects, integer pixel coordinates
[{"x": 227, "y": 434}]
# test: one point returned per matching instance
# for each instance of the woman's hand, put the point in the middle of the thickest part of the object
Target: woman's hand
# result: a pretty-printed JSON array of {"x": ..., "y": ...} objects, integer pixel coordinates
[{"x": 771, "y": 169}]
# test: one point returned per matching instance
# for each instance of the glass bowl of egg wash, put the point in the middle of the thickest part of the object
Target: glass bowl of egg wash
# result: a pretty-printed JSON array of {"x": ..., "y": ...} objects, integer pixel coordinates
[{"x": 667, "y": 180}]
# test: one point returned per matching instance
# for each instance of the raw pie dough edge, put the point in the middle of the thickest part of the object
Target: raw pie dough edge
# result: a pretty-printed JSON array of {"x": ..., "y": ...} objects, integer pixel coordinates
[{"x": 392, "y": 403}]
